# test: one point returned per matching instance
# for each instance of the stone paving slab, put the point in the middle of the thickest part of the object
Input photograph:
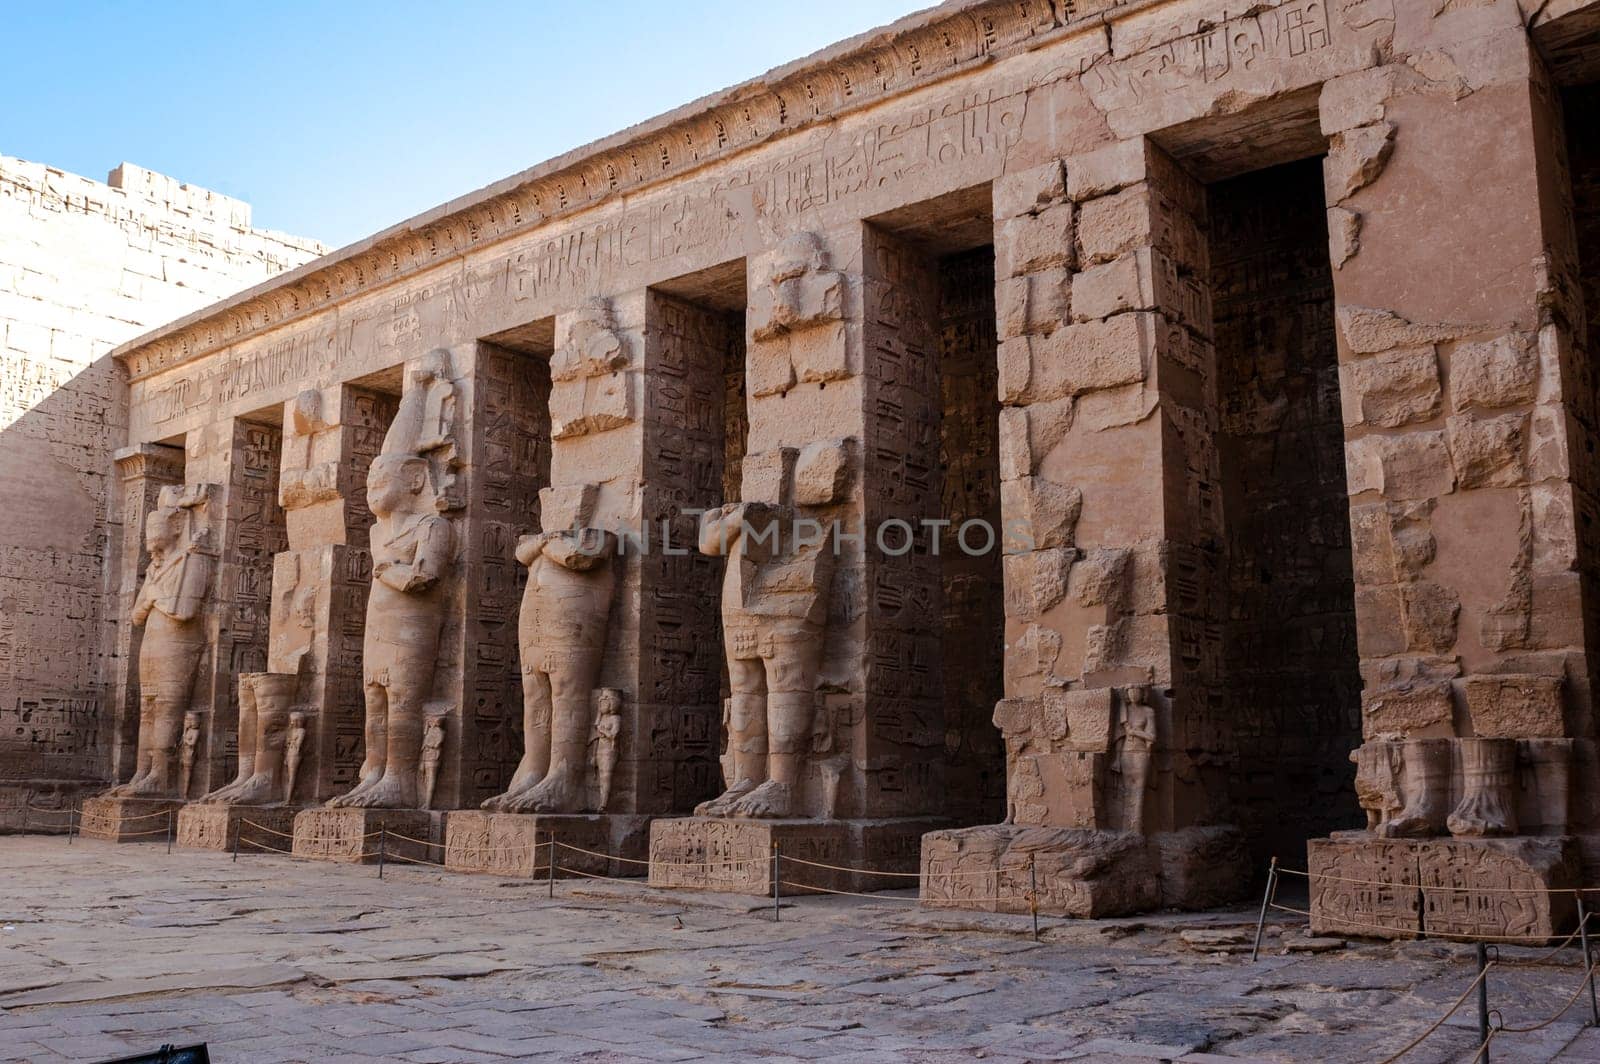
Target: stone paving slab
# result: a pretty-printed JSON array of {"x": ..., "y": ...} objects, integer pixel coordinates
[{"x": 108, "y": 950}]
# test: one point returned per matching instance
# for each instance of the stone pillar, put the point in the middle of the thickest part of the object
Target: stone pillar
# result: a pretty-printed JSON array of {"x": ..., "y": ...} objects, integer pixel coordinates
[
  {"x": 1469, "y": 436},
  {"x": 242, "y": 457},
  {"x": 319, "y": 585},
  {"x": 317, "y": 616},
  {"x": 637, "y": 450},
  {"x": 143, "y": 471},
  {"x": 1116, "y": 752},
  {"x": 843, "y": 408}
]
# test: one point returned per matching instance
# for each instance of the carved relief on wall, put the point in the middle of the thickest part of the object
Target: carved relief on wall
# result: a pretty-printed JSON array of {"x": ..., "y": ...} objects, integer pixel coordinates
[
  {"x": 169, "y": 607},
  {"x": 409, "y": 486}
]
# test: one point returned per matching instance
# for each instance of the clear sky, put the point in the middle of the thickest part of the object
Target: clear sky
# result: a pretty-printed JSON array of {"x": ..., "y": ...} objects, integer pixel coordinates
[{"x": 337, "y": 119}]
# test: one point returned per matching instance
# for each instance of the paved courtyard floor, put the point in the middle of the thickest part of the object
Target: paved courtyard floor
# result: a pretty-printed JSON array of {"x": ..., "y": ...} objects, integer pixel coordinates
[{"x": 108, "y": 950}]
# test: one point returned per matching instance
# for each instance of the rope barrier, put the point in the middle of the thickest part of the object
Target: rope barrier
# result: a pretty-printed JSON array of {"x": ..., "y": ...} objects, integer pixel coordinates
[
  {"x": 1573, "y": 1000},
  {"x": 339, "y": 858},
  {"x": 1415, "y": 1042},
  {"x": 306, "y": 838},
  {"x": 597, "y": 853},
  {"x": 862, "y": 871},
  {"x": 849, "y": 893}
]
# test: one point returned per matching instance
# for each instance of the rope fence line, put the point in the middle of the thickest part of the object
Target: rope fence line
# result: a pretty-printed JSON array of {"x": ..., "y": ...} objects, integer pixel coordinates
[
  {"x": 1483, "y": 974},
  {"x": 1418, "y": 932}
]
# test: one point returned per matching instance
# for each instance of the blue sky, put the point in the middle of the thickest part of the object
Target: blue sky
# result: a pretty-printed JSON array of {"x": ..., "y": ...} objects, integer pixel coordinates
[{"x": 336, "y": 119}]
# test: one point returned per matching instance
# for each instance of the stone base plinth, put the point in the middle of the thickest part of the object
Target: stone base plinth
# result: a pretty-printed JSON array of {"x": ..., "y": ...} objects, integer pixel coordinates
[
  {"x": 409, "y": 835},
  {"x": 1371, "y": 887},
  {"x": 256, "y": 828},
  {"x": 735, "y": 856},
  {"x": 127, "y": 819},
  {"x": 515, "y": 844},
  {"x": 1082, "y": 873}
]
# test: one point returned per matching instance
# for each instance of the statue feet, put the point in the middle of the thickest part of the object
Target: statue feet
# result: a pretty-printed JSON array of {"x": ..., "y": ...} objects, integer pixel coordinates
[
  {"x": 147, "y": 786},
  {"x": 223, "y": 795},
  {"x": 771, "y": 799},
  {"x": 722, "y": 805},
  {"x": 370, "y": 778},
  {"x": 259, "y": 789},
  {"x": 559, "y": 792},
  {"x": 390, "y": 792},
  {"x": 521, "y": 784}
]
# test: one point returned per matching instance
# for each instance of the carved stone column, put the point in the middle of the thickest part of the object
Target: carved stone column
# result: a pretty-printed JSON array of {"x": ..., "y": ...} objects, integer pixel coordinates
[
  {"x": 637, "y": 448},
  {"x": 834, "y": 726},
  {"x": 142, "y": 472},
  {"x": 1470, "y": 422},
  {"x": 1110, "y": 502},
  {"x": 242, "y": 457},
  {"x": 317, "y": 616}
]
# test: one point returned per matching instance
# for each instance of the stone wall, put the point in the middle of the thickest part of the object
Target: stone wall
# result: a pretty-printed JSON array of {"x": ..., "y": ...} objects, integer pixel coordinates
[
  {"x": 85, "y": 266},
  {"x": 1292, "y": 682}
]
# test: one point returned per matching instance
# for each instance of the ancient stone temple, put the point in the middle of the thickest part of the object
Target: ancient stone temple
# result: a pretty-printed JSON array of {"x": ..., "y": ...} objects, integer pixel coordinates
[{"x": 1076, "y": 450}]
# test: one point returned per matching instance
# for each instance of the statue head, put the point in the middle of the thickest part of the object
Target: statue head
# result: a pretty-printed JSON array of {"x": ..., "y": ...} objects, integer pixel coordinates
[
  {"x": 163, "y": 530},
  {"x": 397, "y": 483},
  {"x": 609, "y": 703},
  {"x": 297, "y": 721},
  {"x": 191, "y": 720}
]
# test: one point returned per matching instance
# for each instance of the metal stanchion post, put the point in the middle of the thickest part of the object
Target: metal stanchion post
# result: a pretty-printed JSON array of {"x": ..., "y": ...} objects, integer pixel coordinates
[
  {"x": 1588, "y": 961},
  {"x": 550, "y": 868},
  {"x": 236, "y": 833},
  {"x": 1033, "y": 895},
  {"x": 1483, "y": 1001},
  {"x": 383, "y": 846},
  {"x": 1266, "y": 900},
  {"x": 169, "y": 831},
  {"x": 72, "y": 822},
  {"x": 777, "y": 858}
]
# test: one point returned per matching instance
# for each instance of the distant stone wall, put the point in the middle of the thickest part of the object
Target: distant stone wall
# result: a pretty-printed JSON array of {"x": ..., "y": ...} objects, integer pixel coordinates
[{"x": 84, "y": 266}]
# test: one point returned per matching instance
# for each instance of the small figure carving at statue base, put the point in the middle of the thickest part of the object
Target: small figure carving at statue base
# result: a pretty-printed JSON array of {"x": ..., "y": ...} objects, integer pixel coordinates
[
  {"x": 187, "y": 751},
  {"x": 432, "y": 752}
]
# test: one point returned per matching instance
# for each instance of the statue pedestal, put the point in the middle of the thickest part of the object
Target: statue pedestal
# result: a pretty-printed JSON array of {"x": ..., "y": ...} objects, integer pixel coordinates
[
  {"x": 735, "y": 856},
  {"x": 216, "y": 826},
  {"x": 514, "y": 844},
  {"x": 1082, "y": 872},
  {"x": 127, "y": 819},
  {"x": 410, "y": 835},
  {"x": 1403, "y": 888}
]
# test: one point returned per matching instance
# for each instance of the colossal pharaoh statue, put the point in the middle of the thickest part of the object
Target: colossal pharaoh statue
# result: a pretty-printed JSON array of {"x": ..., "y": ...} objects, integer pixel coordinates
[
  {"x": 264, "y": 700},
  {"x": 562, "y": 637},
  {"x": 774, "y": 608},
  {"x": 169, "y": 606},
  {"x": 408, "y": 485}
]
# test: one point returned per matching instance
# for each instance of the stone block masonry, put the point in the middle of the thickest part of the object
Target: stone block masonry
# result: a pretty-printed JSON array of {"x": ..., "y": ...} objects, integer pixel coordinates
[{"x": 84, "y": 266}]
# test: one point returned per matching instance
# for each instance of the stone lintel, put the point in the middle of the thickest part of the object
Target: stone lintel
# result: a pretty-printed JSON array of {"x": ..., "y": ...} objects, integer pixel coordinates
[
  {"x": 343, "y": 835},
  {"x": 1494, "y": 889},
  {"x": 256, "y": 828},
  {"x": 127, "y": 819},
  {"x": 735, "y": 856},
  {"x": 1081, "y": 872},
  {"x": 515, "y": 844}
]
